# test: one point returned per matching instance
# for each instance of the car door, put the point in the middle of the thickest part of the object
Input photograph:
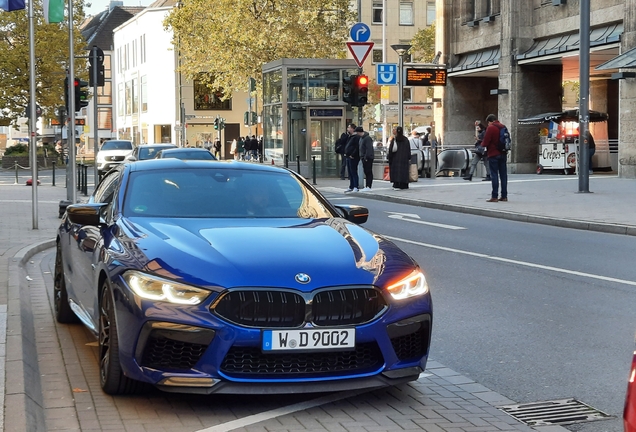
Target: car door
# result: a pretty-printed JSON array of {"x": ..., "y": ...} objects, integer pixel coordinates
[{"x": 85, "y": 253}]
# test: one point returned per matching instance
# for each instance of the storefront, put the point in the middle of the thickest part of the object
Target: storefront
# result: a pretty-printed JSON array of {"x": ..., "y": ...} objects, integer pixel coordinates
[{"x": 303, "y": 112}]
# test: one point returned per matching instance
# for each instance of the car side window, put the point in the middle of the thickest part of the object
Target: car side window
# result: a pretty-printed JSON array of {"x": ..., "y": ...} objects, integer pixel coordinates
[{"x": 105, "y": 190}]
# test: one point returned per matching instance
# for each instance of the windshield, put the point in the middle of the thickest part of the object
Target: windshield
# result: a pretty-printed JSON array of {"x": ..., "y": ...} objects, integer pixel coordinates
[
  {"x": 149, "y": 152},
  {"x": 220, "y": 193},
  {"x": 117, "y": 145},
  {"x": 188, "y": 154}
]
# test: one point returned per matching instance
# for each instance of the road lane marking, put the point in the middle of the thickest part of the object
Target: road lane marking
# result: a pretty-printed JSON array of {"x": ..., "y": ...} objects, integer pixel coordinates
[
  {"x": 511, "y": 261},
  {"x": 278, "y": 412},
  {"x": 415, "y": 219}
]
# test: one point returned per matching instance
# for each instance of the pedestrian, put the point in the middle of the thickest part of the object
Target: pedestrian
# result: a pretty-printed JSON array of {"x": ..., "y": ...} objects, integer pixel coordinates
[
  {"x": 254, "y": 148},
  {"x": 217, "y": 148},
  {"x": 352, "y": 155},
  {"x": 366, "y": 156},
  {"x": 261, "y": 155},
  {"x": 591, "y": 145},
  {"x": 426, "y": 139},
  {"x": 240, "y": 148},
  {"x": 496, "y": 159},
  {"x": 480, "y": 154},
  {"x": 399, "y": 153},
  {"x": 234, "y": 149},
  {"x": 340, "y": 145}
]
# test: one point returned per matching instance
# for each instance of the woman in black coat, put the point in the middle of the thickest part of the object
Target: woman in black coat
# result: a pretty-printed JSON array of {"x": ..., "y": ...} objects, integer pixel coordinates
[{"x": 399, "y": 153}]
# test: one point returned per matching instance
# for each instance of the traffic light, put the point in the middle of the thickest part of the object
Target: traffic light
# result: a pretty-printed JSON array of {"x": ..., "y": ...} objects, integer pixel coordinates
[
  {"x": 254, "y": 118},
  {"x": 360, "y": 90},
  {"x": 81, "y": 94},
  {"x": 216, "y": 123},
  {"x": 96, "y": 61},
  {"x": 221, "y": 123},
  {"x": 348, "y": 94}
]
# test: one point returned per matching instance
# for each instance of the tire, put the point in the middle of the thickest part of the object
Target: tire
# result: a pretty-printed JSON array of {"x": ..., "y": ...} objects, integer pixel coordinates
[
  {"x": 539, "y": 169},
  {"x": 63, "y": 312},
  {"x": 111, "y": 377}
]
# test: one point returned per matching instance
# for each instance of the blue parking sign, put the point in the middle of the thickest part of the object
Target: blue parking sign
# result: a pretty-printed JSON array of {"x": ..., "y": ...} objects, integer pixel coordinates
[{"x": 387, "y": 73}]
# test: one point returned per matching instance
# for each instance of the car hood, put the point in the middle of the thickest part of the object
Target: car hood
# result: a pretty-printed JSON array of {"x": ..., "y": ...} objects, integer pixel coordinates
[
  {"x": 104, "y": 153},
  {"x": 264, "y": 252}
]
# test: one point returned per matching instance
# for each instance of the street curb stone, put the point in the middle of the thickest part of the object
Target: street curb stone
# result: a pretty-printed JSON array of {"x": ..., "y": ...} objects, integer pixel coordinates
[{"x": 24, "y": 406}]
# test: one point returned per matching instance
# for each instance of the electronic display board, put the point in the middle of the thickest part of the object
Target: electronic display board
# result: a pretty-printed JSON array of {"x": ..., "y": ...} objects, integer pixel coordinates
[{"x": 425, "y": 77}]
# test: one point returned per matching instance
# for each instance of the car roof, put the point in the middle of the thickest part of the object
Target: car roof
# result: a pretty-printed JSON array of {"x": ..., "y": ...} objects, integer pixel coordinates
[
  {"x": 158, "y": 145},
  {"x": 184, "y": 149},
  {"x": 171, "y": 163}
]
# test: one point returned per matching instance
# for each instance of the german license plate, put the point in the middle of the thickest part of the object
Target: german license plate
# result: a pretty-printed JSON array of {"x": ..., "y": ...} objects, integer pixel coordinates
[{"x": 308, "y": 339}]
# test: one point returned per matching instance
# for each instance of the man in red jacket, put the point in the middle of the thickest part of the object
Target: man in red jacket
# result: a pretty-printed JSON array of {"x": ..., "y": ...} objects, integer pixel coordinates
[{"x": 496, "y": 159}]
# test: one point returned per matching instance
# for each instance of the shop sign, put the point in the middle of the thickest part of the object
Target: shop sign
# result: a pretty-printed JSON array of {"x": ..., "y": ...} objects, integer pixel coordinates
[{"x": 325, "y": 113}]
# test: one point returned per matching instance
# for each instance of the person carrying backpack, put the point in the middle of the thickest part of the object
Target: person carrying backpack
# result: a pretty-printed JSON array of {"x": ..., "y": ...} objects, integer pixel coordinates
[{"x": 497, "y": 156}]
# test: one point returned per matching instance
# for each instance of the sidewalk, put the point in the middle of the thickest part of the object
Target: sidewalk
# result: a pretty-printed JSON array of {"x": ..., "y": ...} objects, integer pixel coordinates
[{"x": 543, "y": 199}]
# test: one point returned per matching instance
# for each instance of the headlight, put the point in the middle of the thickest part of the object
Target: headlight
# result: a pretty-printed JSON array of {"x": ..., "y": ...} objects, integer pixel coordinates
[
  {"x": 154, "y": 288},
  {"x": 412, "y": 285}
]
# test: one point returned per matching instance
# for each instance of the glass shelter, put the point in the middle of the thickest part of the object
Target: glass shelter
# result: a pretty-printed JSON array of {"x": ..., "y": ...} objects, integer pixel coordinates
[{"x": 303, "y": 112}]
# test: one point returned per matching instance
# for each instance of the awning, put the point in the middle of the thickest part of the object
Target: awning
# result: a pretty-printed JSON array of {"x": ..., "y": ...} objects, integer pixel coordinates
[
  {"x": 569, "y": 115},
  {"x": 477, "y": 59},
  {"x": 571, "y": 41},
  {"x": 625, "y": 60}
]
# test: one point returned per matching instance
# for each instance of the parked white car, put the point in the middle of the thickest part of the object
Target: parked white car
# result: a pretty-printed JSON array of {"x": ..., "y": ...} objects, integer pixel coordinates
[{"x": 113, "y": 153}]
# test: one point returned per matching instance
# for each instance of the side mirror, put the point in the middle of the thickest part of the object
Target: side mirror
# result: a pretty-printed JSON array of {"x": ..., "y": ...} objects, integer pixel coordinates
[
  {"x": 132, "y": 158},
  {"x": 354, "y": 213},
  {"x": 85, "y": 214}
]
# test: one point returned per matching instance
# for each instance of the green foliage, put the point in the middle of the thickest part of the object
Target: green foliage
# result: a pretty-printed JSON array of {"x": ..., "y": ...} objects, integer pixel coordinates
[
  {"x": 23, "y": 150},
  {"x": 232, "y": 40},
  {"x": 51, "y": 53},
  {"x": 423, "y": 45}
]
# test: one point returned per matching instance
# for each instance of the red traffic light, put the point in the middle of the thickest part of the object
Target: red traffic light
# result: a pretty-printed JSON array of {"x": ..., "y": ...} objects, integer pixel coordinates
[{"x": 363, "y": 80}]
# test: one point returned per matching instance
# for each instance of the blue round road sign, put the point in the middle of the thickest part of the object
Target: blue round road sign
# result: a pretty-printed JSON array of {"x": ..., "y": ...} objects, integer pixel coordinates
[{"x": 360, "y": 32}]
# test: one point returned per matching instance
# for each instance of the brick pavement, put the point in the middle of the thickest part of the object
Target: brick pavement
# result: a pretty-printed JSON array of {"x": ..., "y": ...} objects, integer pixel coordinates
[{"x": 51, "y": 372}]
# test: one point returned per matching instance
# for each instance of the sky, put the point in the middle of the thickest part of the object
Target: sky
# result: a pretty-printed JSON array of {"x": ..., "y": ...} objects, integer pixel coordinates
[{"x": 98, "y": 6}]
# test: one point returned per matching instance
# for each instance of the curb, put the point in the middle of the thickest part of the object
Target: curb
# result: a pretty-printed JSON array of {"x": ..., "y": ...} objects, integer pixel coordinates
[
  {"x": 23, "y": 404},
  {"x": 519, "y": 217}
]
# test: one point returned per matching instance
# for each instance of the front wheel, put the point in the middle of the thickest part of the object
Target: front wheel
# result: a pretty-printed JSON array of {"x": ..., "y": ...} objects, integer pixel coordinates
[
  {"x": 111, "y": 376},
  {"x": 539, "y": 169},
  {"x": 63, "y": 312}
]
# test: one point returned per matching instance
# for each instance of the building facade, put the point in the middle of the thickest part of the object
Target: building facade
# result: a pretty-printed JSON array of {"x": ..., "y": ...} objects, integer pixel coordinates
[{"x": 515, "y": 59}]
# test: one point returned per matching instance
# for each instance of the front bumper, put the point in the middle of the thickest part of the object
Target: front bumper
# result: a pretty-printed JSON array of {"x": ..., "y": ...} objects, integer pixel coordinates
[{"x": 189, "y": 349}]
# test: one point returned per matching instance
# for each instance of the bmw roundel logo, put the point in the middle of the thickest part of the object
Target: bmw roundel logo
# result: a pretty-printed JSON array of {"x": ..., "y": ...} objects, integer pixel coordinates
[{"x": 302, "y": 278}]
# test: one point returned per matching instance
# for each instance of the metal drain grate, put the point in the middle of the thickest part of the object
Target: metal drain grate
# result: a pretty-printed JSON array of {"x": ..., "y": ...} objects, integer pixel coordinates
[{"x": 555, "y": 412}]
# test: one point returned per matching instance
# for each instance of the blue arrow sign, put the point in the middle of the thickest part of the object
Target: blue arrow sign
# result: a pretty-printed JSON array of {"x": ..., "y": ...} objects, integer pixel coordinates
[
  {"x": 360, "y": 32},
  {"x": 387, "y": 73}
]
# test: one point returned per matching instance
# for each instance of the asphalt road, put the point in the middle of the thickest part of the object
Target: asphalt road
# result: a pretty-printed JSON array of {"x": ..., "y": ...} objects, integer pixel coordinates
[{"x": 533, "y": 312}]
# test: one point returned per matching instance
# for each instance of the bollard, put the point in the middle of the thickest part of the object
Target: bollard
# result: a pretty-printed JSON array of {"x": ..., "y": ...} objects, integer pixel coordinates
[
  {"x": 286, "y": 161},
  {"x": 313, "y": 162},
  {"x": 53, "y": 179},
  {"x": 298, "y": 164},
  {"x": 78, "y": 176},
  {"x": 16, "y": 173}
]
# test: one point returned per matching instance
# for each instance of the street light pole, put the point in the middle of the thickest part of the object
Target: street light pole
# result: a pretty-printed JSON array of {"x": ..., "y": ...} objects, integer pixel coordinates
[{"x": 401, "y": 50}]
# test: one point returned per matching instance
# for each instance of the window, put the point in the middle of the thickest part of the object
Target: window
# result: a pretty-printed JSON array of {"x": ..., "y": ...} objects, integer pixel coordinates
[
  {"x": 406, "y": 13},
  {"x": 104, "y": 118},
  {"x": 128, "y": 98},
  {"x": 134, "y": 53},
  {"x": 377, "y": 56},
  {"x": 207, "y": 99},
  {"x": 144, "y": 93},
  {"x": 407, "y": 94},
  {"x": 430, "y": 13},
  {"x": 142, "y": 49},
  {"x": 108, "y": 73},
  {"x": 377, "y": 13},
  {"x": 121, "y": 98},
  {"x": 135, "y": 95},
  {"x": 105, "y": 94}
]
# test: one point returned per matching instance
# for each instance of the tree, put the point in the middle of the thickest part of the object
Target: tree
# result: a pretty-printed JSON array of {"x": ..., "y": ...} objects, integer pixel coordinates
[
  {"x": 51, "y": 53},
  {"x": 230, "y": 40},
  {"x": 423, "y": 45}
]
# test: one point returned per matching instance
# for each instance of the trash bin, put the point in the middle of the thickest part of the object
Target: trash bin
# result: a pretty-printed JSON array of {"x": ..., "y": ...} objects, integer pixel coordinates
[{"x": 413, "y": 172}]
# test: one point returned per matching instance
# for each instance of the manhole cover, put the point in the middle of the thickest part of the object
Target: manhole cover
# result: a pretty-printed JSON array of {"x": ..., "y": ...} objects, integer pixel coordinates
[{"x": 554, "y": 412}]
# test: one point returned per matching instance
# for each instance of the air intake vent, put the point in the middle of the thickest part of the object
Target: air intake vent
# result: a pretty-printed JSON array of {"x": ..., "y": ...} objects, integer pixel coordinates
[{"x": 555, "y": 412}]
